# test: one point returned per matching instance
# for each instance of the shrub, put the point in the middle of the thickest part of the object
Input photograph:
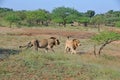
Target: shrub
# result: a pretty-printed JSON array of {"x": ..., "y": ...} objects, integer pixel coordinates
[{"x": 117, "y": 24}]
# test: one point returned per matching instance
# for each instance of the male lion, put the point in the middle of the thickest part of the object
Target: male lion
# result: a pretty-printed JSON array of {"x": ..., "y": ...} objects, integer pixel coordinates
[
  {"x": 71, "y": 45},
  {"x": 47, "y": 44}
]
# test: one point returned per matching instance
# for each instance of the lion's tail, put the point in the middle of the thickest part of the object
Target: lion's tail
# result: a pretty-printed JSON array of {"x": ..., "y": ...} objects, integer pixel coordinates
[{"x": 29, "y": 44}]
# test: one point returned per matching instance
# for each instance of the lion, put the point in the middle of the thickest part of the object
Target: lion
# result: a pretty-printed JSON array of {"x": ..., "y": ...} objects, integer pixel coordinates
[
  {"x": 71, "y": 45},
  {"x": 47, "y": 44}
]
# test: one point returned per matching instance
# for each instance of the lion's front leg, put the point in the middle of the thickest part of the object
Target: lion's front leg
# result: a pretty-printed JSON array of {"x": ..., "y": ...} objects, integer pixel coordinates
[
  {"x": 66, "y": 49},
  {"x": 73, "y": 51},
  {"x": 46, "y": 50}
]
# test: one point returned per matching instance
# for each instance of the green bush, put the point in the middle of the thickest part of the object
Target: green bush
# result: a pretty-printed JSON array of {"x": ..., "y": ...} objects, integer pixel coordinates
[
  {"x": 117, "y": 24},
  {"x": 104, "y": 36}
]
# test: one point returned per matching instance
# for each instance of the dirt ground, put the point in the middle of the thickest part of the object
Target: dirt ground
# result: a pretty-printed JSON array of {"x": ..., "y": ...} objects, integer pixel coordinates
[{"x": 33, "y": 32}]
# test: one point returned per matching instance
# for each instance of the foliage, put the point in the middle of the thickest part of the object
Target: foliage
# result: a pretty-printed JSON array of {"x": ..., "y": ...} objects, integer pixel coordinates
[
  {"x": 12, "y": 18},
  {"x": 64, "y": 15},
  {"x": 111, "y": 17},
  {"x": 112, "y": 21},
  {"x": 104, "y": 36},
  {"x": 5, "y": 10},
  {"x": 98, "y": 19},
  {"x": 37, "y": 17},
  {"x": 90, "y": 13},
  {"x": 57, "y": 20},
  {"x": 72, "y": 18},
  {"x": 117, "y": 24},
  {"x": 84, "y": 20},
  {"x": 61, "y": 15}
]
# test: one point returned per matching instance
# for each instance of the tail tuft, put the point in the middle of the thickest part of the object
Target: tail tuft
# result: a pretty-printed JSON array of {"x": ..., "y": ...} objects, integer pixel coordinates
[{"x": 20, "y": 46}]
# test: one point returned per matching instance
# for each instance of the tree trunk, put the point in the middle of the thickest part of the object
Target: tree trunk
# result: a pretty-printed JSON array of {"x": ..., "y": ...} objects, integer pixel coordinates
[
  {"x": 64, "y": 23},
  {"x": 98, "y": 28},
  {"x": 95, "y": 50},
  {"x": 85, "y": 24},
  {"x": 10, "y": 24},
  {"x": 107, "y": 42}
]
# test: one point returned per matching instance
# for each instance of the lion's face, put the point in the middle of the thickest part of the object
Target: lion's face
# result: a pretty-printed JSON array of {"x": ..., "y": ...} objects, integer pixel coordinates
[
  {"x": 76, "y": 42},
  {"x": 55, "y": 40}
]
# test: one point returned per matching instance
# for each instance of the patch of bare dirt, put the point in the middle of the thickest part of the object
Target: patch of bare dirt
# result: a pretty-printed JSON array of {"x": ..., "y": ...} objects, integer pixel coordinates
[
  {"x": 76, "y": 34},
  {"x": 33, "y": 32},
  {"x": 4, "y": 30},
  {"x": 114, "y": 29}
]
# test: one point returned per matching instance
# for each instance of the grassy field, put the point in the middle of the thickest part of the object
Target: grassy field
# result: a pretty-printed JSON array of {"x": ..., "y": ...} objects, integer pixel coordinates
[{"x": 21, "y": 64}]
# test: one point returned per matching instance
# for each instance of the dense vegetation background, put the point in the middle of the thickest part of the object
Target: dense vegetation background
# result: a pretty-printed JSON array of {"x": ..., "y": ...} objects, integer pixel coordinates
[{"x": 59, "y": 16}]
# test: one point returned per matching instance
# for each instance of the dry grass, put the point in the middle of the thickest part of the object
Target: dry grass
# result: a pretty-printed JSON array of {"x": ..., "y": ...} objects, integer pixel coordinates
[{"x": 32, "y": 65}]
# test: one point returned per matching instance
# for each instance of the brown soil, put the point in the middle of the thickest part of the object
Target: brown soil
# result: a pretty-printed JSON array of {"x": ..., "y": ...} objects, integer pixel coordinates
[{"x": 33, "y": 32}]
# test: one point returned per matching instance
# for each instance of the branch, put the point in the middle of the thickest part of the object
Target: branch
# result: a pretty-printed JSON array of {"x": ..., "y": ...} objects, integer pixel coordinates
[{"x": 106, "y": 42}]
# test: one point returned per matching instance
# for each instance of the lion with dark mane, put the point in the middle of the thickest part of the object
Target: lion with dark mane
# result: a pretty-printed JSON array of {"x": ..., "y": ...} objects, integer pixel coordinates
[{"x": 47, "y": 44}]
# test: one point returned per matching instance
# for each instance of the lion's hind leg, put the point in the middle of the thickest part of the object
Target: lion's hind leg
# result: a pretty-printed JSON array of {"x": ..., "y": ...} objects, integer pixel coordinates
[
  {"x": 73, "y": 51},
  {"x": 67, "y": 49},
  {"x": 36, "y": 44},
  {"x": 50, "y": 48}
]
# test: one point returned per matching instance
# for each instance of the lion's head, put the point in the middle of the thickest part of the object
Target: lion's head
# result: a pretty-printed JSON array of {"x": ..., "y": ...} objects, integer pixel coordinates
[
  {"x": 56, "y": 41},
  {"x": 76, "y": 43}
]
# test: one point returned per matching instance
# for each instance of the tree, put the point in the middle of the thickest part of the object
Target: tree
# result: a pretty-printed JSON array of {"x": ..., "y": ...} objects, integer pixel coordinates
[
  {"x": 84, "y": 20},
  {"x": 5, "y": 10},
  {"x": 105, "y": 38},
  {"x": 90, "y": 13},
  {"x": 112, "y": 17},
  {"x": 117, "y": 24},
  {"x": 110, "y": 11},
  {"x": 37, "y": 16},
  {"x": 97, "y": 20},
  {"x": 12, "y": 18},
  {"x": 64, "y": 15}
]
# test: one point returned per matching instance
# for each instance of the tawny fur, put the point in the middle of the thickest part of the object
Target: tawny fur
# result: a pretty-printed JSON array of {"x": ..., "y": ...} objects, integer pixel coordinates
[
  {"x": 47, "y": 44},
  {"x": 71, "y": 45}
]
